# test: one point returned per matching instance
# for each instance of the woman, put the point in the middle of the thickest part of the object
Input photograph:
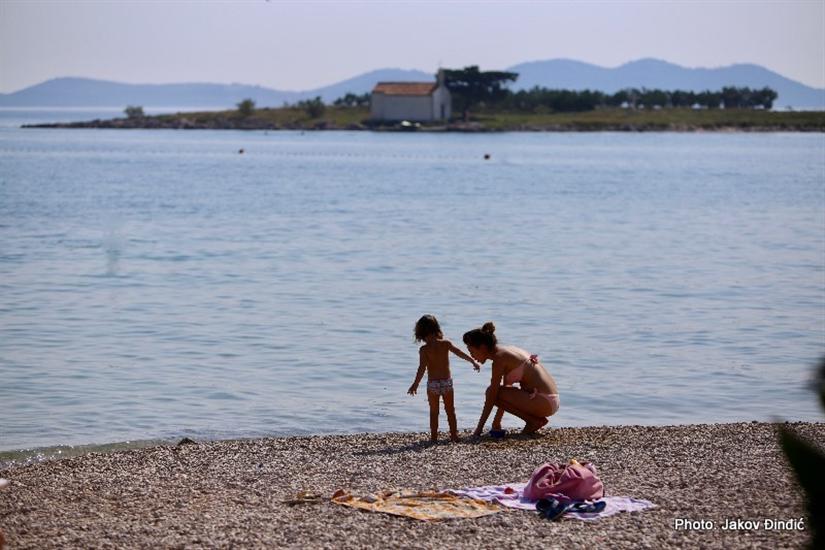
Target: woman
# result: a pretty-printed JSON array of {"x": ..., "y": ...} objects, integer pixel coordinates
[{"x": 533, "y": 402}]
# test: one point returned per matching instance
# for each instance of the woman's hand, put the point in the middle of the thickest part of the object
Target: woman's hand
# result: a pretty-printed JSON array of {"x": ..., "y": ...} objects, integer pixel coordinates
[
  {"x": 413, "y": 389},
  {"x": 476, "y": 366}
]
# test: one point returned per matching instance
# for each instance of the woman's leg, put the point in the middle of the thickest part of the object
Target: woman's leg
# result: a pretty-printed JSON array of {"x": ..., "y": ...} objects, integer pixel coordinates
[
  {"x": 505, "y": 402},
  {"x": 497, "y": 418},
  {"x": 432, "y": 397},
  {"x": 449, "y": 408},
  {"x": 517, "y": 402}
]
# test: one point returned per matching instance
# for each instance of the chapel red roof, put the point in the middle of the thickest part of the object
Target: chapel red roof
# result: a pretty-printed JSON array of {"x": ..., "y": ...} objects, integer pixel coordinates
[{"x": 405, "y": 88}]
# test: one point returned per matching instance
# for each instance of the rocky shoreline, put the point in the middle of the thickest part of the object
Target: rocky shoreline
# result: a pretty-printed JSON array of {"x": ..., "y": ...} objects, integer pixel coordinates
[
  {"x": 471, "y": 127},
  {"x": 240, "y": 493},
  {"x": 358, "y": 119}
]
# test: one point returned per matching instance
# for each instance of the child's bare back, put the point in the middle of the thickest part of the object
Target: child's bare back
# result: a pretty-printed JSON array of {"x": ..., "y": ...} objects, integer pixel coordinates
[{"x": 437, "y": 358}]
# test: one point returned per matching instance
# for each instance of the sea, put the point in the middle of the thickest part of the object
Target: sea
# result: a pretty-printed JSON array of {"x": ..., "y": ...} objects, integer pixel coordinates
[{"x": 160, "y": 284}]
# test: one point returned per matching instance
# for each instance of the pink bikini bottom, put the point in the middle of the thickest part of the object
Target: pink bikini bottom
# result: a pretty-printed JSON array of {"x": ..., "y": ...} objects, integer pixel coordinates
[{"x": 552, "y": 399}]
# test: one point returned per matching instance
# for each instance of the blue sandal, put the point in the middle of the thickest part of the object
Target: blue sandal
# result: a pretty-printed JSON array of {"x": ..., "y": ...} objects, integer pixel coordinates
[
  {"x": 552, "y": 508},
  {"x": 585, "y": 507}
]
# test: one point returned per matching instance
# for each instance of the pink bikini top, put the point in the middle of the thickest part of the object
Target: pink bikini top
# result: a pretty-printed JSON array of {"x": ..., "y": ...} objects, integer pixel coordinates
[{"x": 517, "y": 373}]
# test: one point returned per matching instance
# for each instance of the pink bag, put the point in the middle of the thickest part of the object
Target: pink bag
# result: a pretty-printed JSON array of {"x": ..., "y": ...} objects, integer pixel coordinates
[{"x": 571, "y": 481}]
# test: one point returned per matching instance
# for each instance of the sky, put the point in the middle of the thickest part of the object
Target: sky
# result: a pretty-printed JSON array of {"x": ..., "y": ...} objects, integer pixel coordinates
[{"x": 289, "y": 45}]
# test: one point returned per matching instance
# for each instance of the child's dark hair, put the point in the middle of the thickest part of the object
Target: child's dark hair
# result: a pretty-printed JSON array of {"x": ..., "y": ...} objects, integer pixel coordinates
[
  {"x": 426, "y": 326},
  {"x": 485, "y": 335}
]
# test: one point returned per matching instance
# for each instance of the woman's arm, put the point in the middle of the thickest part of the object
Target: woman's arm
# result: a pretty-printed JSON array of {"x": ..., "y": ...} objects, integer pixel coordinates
[
  {"x": 422, "y": 366},
  {"x": 463, "y": 355},
  {"x": 489, "y": 399}
]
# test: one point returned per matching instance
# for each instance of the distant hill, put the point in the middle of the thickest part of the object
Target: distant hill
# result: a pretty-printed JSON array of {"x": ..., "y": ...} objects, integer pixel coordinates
[
  {"x": 654, "y": 73},
  {"x": 86, "y": 92},
  {"x": 554, "y": 73}
]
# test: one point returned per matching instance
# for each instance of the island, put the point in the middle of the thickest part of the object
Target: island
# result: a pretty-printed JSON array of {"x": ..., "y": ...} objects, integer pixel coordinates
[{"x": 357, "y": 118}]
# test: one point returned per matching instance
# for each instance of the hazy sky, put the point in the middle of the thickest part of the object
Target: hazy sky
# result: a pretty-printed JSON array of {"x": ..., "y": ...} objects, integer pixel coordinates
[{"x": 303, "y": 45}]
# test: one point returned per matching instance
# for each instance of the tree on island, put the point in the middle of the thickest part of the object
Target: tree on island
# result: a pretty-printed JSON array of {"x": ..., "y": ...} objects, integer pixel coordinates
[
  {"x": 544, "y": 100},
  {"x": 353, "y": 100},
  {"x": 742, "y": 98},
  {"x": 471, "y": 87},
  {"x": 246, "y": 107},
  {"x": 134, "y": 112},
  {"x": 314, "y": 108}
]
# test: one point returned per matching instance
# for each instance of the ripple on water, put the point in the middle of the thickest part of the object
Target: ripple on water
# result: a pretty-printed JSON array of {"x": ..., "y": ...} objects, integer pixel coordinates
[{"x": 149, "y": 291}]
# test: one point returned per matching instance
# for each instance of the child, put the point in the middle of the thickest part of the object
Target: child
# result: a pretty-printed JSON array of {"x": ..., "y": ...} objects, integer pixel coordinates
[{"x": 434, "y": 357}]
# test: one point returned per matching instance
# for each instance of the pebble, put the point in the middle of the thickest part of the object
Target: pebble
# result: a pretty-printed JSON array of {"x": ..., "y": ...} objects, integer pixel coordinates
[{"x": 238, "y": 493}]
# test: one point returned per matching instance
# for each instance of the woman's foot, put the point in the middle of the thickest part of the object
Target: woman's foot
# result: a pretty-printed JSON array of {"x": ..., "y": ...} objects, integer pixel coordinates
[
  {"x": 534, "y": 426},
  {"x": 454, "y": 438}
]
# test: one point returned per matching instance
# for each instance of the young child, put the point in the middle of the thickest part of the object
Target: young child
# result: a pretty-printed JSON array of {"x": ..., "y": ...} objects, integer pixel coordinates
[{"x": 434, "y": 357}]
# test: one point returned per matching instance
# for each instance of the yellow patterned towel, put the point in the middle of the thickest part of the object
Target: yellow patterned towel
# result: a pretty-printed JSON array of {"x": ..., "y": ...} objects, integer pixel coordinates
[{"x": 426, "y": 506}]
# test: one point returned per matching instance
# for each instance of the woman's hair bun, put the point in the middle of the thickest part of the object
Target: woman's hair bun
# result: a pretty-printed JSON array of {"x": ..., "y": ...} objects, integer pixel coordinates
[{"x": 484, "y": 336}]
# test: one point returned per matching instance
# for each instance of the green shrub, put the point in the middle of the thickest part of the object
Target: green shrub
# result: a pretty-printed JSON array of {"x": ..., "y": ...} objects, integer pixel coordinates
[
  {"x": 246, "y": 107},
  {"x": 314, "y": 108},
  {"x": 134, "y": 111}
]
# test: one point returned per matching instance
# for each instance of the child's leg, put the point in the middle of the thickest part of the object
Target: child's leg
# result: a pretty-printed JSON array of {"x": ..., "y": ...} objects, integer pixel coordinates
[
  {"x": 497, "y": 419},
  {"x": 449, "y": 408},
  {"x": 433, "y": 399}
]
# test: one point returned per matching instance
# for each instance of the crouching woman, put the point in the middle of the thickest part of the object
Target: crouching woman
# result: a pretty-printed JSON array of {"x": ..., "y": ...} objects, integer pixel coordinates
[{"x": 537, "y": 396}]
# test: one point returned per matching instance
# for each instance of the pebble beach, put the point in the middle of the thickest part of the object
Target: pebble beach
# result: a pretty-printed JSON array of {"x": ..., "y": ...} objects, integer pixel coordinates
[{"x": 242, "y": 493}]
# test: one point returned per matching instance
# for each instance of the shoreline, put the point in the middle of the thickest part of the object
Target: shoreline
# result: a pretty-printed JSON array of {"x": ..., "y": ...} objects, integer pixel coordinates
[
  {"x": 561, "y": 129},
  {"x": 27, "y": 456},
  {"x": 233, "y": 492},
  {"x": 358, "y": 119}
]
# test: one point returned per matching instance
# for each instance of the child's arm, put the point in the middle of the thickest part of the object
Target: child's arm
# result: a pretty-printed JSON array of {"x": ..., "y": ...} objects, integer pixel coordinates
[
  {"x": 464, "y": 356},
  {"x": 422, "y": 366}
]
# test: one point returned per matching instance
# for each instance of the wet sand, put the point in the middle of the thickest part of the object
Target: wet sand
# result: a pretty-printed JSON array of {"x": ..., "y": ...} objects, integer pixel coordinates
[{"x": 235, "y": 493}]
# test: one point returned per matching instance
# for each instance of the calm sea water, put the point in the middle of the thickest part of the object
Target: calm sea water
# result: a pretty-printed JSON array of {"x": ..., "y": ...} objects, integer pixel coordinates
[{"x": 157, "y": 284}]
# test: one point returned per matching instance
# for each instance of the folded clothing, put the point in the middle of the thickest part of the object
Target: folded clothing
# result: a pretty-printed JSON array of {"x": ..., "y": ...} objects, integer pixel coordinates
[{"x": 565, "y": 481}]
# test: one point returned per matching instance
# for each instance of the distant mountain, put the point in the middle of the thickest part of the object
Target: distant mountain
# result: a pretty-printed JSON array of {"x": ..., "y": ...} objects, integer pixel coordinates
[
  {"x": 86, "y": 92},
  {"x": 654, "y": 73},
  {"x": 554, "y": 73}
]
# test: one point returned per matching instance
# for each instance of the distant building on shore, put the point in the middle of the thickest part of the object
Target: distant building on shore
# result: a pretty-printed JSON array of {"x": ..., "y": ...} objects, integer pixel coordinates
[{"x": 413, "y": 101}]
